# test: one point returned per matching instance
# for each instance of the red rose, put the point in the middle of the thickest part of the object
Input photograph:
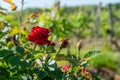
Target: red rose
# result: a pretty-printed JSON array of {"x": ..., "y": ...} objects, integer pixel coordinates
[
  {"x": 65, "y": 68},
  {"x": 39, "y": 35}
]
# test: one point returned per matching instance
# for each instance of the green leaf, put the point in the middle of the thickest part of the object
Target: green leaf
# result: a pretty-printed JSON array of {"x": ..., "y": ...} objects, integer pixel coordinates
[
  {"x": 14, "y": 61},
  {"x": 0, "y": 47},
  {"x": 4, "y": 52},
  {"x": 20, "y": 49},
  {"x": 27, "y": 77},
  {"x": 57, "y": 74},
  {"x": 50, "y": 49},
  {"x": 2, "y": 34},
  {"x": 42, "y": 74},
  {"x": 96, "y": 78},
  {"x": 23, "y": 78},
  {"x": 24, "y": 63},
  {"x": 73, "y": 59},
  {"x": 52, "y": 65},
  {"x": 91, "y": 54}
]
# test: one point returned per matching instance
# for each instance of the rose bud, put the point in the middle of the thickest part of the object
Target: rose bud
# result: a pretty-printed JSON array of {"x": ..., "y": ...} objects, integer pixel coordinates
[
  {"x": 79, "y": 45},
  {"x": 65, "y": 68},
  {"x": 64, "y": 43}
]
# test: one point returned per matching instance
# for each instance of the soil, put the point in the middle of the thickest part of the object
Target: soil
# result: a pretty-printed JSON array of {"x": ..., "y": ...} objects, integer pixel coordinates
[{"x": 105, "y": 73}]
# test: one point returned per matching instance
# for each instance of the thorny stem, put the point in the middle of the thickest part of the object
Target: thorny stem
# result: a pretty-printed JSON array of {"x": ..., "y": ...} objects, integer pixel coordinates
[
  {"x": 78, "y": 56},
  {"x": 34, "y": 47},
  {"x": 59, "y": 50}
]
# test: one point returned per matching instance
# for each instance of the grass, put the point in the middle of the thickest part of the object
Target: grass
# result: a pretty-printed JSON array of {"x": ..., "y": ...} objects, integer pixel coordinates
[{"x": 106, "y": 59}]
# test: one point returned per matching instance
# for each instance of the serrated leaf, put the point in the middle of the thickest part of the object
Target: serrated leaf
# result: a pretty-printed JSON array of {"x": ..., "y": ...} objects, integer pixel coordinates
[
  {"x": 91, "y": 54},
  {"x": 20, "y": 49}
]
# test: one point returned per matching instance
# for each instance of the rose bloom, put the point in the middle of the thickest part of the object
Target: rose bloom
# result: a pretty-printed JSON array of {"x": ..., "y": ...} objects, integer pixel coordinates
[
  {"x": 39, "y": 35},
  {"x": 65, "y": 68}
]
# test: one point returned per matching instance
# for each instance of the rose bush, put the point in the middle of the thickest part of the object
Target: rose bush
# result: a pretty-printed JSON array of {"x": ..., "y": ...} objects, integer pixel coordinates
[{"x": 21, "y": 62}]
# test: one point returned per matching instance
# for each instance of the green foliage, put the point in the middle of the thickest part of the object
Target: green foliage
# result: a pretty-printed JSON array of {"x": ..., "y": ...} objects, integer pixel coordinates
[{"x": 20, "y": 50}]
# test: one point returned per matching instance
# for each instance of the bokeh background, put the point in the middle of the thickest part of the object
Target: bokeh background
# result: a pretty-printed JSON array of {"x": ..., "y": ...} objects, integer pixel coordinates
[{"x": 95, "y": 22}]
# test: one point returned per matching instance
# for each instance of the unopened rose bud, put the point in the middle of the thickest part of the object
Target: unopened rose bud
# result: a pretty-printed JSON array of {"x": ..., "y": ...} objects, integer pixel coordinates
[
  {"x": 64, "y": 43},
  {"x": 79, "y": 45},
  {"x": 65, "y": 68}
]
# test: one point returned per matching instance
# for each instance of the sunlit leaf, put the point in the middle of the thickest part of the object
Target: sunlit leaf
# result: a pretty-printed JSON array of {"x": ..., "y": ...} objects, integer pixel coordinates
[
  {"x": 52, "y": 65},
  {"x": 23, "y": 78},
  {"x": 13, "y": 7},
  {"x": 2, "y": 25},
  {"x": 9, "y": 1},
  {"x": 2, "y": 34},
  {"x": 14, "y": 31},
  {"x": 31, "y": 15},
  {"x": 91, "y": 54}
]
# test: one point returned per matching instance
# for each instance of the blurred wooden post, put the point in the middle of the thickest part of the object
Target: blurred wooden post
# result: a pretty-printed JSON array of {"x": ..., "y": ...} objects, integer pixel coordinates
[
  {"x": 113, "y": 39},
  {"x": 111, "y": 20},
  {"x": 57, "y": 4},
  {"x": 97, "y": 21},
  {"x": 56, "y": 7}
]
